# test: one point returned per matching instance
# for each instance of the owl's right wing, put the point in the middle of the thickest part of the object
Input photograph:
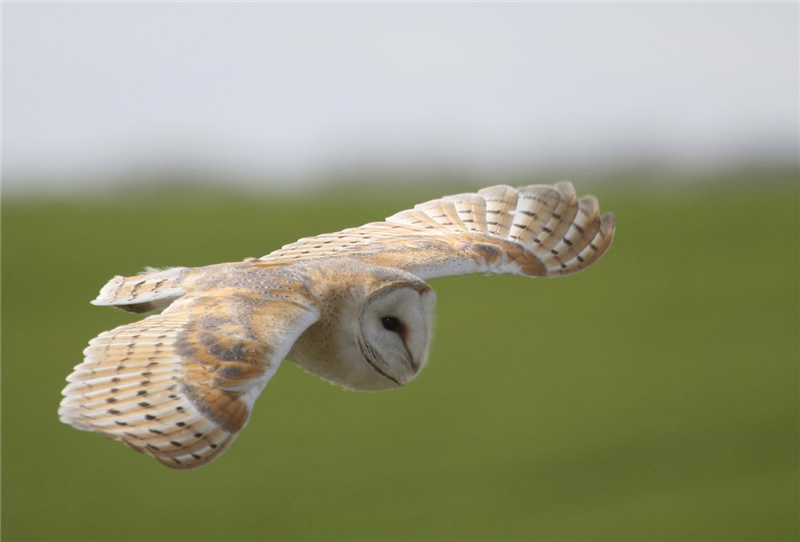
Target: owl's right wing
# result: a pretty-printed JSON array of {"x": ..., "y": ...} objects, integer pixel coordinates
[
  {"x": 536, "y": 230},
  {"x": 179, "y": 386}
]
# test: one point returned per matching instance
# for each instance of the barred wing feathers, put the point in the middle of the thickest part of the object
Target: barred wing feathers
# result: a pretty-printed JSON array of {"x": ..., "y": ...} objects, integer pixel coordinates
[
  {"x": 150, "y": 289},
  {"x": 179, "y": 386},
  {"x": 536, "y": 230}
]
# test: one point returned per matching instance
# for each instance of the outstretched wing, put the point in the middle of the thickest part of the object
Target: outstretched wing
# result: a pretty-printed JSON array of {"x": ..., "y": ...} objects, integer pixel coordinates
[
  {"x": 536, "y": 230},
  {"x": 179, "y": 386}
]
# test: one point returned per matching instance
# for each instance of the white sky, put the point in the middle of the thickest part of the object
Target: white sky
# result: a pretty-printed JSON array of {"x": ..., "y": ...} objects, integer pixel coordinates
[{"x": 96, "y": 92}]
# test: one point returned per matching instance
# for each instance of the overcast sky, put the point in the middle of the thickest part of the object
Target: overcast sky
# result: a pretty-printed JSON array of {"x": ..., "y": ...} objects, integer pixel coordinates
[{"x": 96, "y": 92}]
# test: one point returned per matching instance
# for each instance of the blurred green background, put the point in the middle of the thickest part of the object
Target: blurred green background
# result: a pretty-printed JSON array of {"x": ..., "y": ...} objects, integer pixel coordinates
[{"x": 653, "y": 397}]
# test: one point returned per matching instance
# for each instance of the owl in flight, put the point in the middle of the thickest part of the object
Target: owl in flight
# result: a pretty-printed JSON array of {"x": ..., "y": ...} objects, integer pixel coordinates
[{"x": 351, "y": 307}]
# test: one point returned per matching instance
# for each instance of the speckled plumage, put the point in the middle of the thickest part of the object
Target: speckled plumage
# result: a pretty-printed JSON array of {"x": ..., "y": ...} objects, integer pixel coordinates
[{"x": 351, "y": 307}]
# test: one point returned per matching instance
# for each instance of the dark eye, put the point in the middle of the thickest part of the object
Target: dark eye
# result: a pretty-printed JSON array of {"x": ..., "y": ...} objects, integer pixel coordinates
[{"x": 391, "y": 323}]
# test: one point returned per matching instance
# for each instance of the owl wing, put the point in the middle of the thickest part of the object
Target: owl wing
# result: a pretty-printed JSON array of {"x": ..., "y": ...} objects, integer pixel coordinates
[
  {"x": 536, "y": 230},
  {"x": 179, "y": 386}
]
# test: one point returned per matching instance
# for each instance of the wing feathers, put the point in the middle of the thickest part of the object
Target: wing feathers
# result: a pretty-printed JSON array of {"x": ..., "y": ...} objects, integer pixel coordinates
[
  {"x": 416, "y": 218},
  {"x": 131, "y": 391},
  {"x": 444, "y": 212},
  {"x": 471, "y": 209},
  {"x": 152, "y": 289},
  {"x": 180, "y": 386},
  {"x": 547, "y": 224},
  {"x": 501, "y": 201},
  {"x": 561, "y": 219},
  {"x": 533, "y": 214},
  {"x": 579, "y": 234},
  {"x": 536, "y": 230}
]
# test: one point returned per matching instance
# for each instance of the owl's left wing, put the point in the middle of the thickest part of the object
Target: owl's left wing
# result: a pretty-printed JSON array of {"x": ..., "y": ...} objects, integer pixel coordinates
[
  {"x": 536, "y": 230},
  {"x": 180, "y": 385}
]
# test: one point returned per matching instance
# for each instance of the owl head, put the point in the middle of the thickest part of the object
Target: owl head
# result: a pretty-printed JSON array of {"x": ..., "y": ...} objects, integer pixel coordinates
[
  {"x": 378, "y": 336},
  {"x": 395, "y": 325}
]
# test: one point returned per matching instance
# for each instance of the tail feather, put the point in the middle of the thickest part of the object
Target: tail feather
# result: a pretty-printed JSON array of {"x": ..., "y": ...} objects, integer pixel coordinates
[{"x": 153, "y": 289}]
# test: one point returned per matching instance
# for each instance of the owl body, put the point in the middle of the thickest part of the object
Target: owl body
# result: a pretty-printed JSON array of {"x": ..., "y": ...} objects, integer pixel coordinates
[
  {"x": 339, "y": 291},
  {"x": 351, "y": 307}
]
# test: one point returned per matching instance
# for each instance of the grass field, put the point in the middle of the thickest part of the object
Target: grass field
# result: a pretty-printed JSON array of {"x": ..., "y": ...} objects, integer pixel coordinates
[{"x": 654, "y": 397}]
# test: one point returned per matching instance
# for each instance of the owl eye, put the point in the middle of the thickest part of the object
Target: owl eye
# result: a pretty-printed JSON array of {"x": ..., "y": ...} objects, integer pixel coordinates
[{"x": 391, "y": 323}]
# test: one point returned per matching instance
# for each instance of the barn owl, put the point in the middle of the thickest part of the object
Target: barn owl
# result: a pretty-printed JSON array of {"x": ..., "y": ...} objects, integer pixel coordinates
[{"x": 351, "y": 307}]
